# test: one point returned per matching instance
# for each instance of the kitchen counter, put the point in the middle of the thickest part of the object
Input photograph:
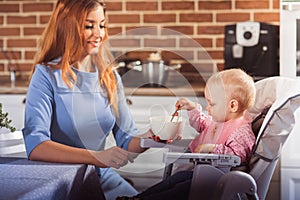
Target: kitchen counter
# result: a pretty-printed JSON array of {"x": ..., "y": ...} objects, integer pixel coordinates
[
  {"x": 193, "y": 89},
  {"x": 17, "y": 87},
  {"x": 176, "y": 85}
]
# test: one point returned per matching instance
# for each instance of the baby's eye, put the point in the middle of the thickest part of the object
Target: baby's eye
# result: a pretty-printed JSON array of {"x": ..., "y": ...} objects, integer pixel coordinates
[{"x": 212, "y": 104}]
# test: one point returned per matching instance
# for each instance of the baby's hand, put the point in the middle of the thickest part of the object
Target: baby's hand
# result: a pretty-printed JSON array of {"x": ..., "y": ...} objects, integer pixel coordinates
[
  {"x": 204, "y": 148},
  {"x": 185, "y": 104}
]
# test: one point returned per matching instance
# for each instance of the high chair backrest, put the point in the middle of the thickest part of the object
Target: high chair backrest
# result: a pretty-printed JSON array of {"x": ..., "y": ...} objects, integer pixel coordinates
[{"x": 276, "y": 127}]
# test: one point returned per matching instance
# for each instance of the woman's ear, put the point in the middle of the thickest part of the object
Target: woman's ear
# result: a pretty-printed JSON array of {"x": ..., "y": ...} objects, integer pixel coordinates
[{"x": 234, "y": 105}]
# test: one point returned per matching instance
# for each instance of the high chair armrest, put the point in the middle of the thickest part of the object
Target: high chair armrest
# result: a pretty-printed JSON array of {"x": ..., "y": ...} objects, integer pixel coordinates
[
  {"x": 217, "y": 160},
  {"x": 235, "y": 182}
]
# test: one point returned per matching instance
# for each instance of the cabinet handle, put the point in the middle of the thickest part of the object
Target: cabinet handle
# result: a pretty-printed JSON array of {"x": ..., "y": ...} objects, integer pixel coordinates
[
  {"x": 291, "y": 7},
  {"x": 128, "y": 101}
]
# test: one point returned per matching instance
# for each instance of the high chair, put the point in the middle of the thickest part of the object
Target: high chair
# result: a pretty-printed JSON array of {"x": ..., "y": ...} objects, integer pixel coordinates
[{"x": 217, "y": 176}]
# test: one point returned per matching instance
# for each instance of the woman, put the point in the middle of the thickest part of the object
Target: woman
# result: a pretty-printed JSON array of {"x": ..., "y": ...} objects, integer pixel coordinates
[{"x": 75, "y": 98}]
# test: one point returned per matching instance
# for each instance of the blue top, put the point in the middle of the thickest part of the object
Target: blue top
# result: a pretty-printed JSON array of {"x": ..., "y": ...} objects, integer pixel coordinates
[{"x": 81, "y": 117}]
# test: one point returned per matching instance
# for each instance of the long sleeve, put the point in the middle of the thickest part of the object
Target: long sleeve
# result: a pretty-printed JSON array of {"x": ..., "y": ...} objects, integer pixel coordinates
[
  {"x": 198, "y": 120},
  {"x": 231, "y": 137},
  {"x": 38, "y": 112},
  {"x": 201, "y": 123},
  {"x": 125, "y": 126}
]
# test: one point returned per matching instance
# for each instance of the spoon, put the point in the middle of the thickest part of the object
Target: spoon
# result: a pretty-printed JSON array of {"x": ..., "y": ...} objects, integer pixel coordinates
[{"x": 175, "y": 113}]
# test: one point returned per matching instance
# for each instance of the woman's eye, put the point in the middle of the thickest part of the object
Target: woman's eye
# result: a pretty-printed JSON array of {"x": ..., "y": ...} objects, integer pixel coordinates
[
  {"x": 89, "y": 26},
  {"x": 102, "y": 26}
]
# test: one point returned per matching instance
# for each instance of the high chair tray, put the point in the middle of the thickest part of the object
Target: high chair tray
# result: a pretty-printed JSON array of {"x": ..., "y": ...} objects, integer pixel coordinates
[
  {"x": 177, "y": 145},
  {"x": 217, "y": 160}
]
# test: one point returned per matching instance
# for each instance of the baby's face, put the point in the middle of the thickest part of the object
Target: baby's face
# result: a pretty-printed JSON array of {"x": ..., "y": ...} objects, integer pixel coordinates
[{"x": 217, "y": 103}]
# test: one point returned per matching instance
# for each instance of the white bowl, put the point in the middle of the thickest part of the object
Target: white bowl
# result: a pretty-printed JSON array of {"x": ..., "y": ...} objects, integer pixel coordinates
[{"x": 165, "y": 129}]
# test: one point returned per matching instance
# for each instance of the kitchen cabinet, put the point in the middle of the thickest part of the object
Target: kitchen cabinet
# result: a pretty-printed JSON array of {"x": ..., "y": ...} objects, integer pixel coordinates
[
  {"x": 290, "y": 67},
  {"x": 12, "y": 144},
  {"x": 290, "y": 165},
  {"x": 289, "y": 38},
  {"x": 13, "y": 104}
]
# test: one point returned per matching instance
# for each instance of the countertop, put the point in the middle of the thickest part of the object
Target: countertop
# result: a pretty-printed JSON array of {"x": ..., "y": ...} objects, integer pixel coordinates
[
  {"x": 17, "y": 87},
  {"x": 176, "y": 85}
]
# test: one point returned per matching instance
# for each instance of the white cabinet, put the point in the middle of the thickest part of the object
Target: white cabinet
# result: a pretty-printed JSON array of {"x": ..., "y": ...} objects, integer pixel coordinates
[
  {"x": 12, "y": 144},
  {"x": 290, "y": 184},
  {"x": 290, "y": 165},
  {"x": 290, "y": 67}
]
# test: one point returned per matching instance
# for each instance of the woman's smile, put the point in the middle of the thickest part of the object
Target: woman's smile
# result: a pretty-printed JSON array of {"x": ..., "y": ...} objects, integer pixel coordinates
[{"x": 94, "y": 43}]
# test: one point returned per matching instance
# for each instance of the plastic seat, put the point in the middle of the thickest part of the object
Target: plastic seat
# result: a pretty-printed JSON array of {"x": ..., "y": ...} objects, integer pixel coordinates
[
  {"x": 213, "y": 182},
  {"x": 277, "y": 126}
]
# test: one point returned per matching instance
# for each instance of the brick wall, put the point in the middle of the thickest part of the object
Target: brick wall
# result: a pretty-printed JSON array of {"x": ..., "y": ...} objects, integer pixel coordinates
[{"x": 188, "y": 29}]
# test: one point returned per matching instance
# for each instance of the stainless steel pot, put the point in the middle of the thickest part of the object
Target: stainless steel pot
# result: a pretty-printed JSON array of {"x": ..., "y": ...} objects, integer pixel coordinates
[{"x": 153, "y": 72}]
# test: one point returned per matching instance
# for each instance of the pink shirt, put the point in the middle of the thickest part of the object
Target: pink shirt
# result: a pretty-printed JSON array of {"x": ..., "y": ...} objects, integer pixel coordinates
[{"x": 231, "y": 137}]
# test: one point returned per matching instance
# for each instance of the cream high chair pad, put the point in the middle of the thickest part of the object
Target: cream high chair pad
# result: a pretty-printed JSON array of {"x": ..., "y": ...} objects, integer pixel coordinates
[{"x": 280, "y": 93}]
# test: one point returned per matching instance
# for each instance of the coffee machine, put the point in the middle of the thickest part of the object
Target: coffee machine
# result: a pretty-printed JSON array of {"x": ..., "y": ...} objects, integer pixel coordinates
[{"x": 253, "y": 47}]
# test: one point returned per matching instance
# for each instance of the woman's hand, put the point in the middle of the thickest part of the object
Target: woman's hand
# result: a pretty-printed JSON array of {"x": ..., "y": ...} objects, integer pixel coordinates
[
  {"x": 185, "y": 104},
  {"x": 156, "y": 138},
  {"x": 115, "y": 157},
  {"x": 204, "y": 148},
  {"x": 148, "y": 134}
]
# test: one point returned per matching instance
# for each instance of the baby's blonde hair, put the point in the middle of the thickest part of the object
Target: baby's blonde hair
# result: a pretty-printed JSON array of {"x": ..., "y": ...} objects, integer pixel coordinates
[{"x": 238, "y": 85}]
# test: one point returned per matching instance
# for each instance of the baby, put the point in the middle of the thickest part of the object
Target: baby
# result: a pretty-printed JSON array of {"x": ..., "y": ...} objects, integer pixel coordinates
[{"x": 227, "y": 127}]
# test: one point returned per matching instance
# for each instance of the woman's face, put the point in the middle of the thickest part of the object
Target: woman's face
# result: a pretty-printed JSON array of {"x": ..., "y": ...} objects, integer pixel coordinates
[{"x": 94, "y": 30}]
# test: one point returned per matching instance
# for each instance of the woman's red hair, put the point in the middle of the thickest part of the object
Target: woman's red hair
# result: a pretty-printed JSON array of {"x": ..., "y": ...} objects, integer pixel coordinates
[{"x": 63, "y": 38}]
